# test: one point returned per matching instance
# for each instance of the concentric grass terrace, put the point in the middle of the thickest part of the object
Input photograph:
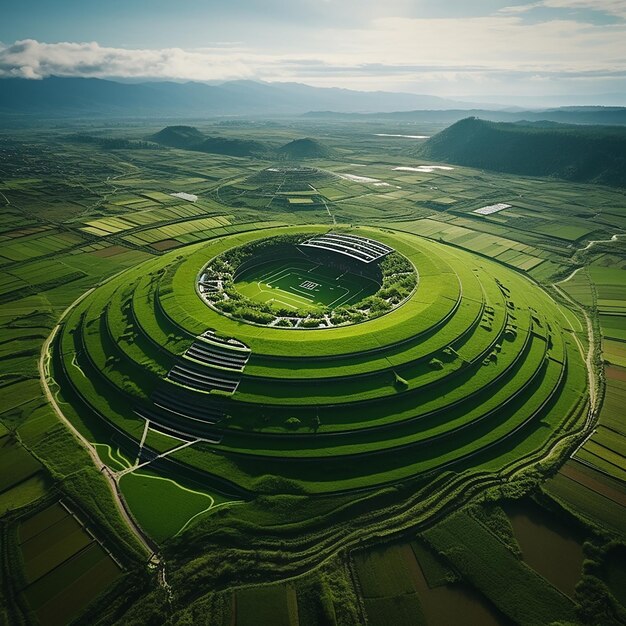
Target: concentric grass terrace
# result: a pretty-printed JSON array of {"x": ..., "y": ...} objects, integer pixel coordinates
[{"x": 473, "y": 371}]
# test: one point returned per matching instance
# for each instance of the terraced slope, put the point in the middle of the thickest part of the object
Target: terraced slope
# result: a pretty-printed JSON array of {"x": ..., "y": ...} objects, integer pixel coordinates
[
  {"x": 473, "y": 373},
  {"x": 279, "y": 187}
]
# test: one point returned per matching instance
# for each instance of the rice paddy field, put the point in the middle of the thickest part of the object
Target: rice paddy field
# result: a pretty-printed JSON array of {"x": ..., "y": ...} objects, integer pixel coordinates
[
  {"x": 367, "y": 472},
  {"x": 65, "y": 567}
]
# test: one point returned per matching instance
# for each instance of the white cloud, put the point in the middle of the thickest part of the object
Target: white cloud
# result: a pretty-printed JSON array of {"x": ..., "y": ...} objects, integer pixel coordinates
[
  {"x": 450, "y": 56},
  {"x": 32, "y": 59}
]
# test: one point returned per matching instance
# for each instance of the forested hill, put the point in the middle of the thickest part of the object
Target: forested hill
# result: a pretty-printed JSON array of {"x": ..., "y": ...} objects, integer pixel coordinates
[
  {"x": 306, "y": 148},
  {"x": 190, "y": 138},
  {"x": 577, "y": 153}
]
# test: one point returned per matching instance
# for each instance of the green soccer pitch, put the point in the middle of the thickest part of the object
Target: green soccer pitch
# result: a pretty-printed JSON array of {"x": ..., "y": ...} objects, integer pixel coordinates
[{"x": 298, "y": 284}]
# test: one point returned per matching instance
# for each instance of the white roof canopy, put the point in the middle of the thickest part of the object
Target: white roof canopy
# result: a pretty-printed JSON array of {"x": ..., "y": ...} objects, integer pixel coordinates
[{"x": 360, "y": 248}]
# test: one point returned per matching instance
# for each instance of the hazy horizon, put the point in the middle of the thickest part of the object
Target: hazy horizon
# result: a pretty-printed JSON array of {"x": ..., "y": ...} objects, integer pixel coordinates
[{"x": 486, "y": 51}]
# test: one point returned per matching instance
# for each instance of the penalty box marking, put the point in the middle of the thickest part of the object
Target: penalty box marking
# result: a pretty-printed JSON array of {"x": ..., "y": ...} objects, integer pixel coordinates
[{"x": 284, "y": 272}]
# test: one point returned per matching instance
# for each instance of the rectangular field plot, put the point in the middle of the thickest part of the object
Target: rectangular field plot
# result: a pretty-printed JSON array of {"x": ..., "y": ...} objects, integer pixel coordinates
[
  {"x": 300, "y": 200},
  {"x": 66, "y": 568},
  {"x": 57, "y": 542},
  {"x": 273, "y": 604},
  {"x": 24, "y": 493},
  {"x": 590, "y": 500},
  {"x": 22, "y": 480},
  {"x": 60, "y": 595},
  {"x": 482, "y": 559},
  {"x": 303, "y": 284},
  {"x": 407, "y": 585},
  {"x": 16, "y": 463}
]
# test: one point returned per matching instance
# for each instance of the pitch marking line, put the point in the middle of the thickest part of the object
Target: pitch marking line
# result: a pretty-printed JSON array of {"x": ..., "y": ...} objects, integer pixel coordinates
[
  {"x": 296, "y": 298},
  {"x": 295, "y": 308},
  {"x": 302, "y": 294},
  {"x": 347, "y": 293}
]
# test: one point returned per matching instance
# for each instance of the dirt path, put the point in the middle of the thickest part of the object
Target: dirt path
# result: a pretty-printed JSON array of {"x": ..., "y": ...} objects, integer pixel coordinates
[
  {"x": 594, "y": 345},
  {"x": 44, "y": 376},
  {"x": 593, "y": 242},
  {"x": 589, "y": 245},
  {"x": 326, "y": 205}
]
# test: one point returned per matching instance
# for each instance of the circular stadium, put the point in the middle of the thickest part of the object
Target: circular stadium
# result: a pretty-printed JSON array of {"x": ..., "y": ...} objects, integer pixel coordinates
[
  {"x": 297, "y": 281},
  {"x": 302, "y": 360}
]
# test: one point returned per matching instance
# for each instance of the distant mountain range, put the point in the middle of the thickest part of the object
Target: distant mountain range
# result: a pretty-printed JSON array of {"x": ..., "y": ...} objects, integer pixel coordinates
[
  {"x": 91, "y": 96},
  {"x": 577, "y": 153}
]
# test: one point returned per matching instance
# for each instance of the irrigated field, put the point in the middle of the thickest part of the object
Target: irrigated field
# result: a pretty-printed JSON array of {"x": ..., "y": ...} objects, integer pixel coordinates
[{"x": 162, "y": 506}]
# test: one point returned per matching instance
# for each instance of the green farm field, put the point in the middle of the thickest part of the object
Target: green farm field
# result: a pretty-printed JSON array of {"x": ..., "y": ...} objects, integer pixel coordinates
[
  {"x": 163, "y": 507},
  {"x": 65, "y": 568}
]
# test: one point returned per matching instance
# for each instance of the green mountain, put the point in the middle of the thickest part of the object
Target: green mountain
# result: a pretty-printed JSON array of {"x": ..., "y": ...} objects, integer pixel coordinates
[
  {"x": 306, "y": 148},
  {"x": 577, "y": 153},
  {"x": 190, "y": 138},
  {"x": 178, "y": 136}
]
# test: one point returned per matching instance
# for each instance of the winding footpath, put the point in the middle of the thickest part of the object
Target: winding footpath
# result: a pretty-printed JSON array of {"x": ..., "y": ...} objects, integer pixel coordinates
[
  {"x": 44, "y": 377},
  {"x": 594, "y": 347},
  {"x": 590, "y": 245}
]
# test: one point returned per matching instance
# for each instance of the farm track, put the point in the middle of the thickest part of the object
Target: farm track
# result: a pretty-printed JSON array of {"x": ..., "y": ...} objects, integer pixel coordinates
[
  {"x": 44, "y": 375},
  {"x": 105, "y": 196},
  {"x": 332, "y": 217},
  {"x": 589, "y": 245},
  {"x": 592, "y": 361}
]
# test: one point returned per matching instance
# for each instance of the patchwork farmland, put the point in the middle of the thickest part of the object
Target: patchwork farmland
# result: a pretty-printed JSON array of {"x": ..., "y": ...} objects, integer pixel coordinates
[{"x": 279, "y": 433}]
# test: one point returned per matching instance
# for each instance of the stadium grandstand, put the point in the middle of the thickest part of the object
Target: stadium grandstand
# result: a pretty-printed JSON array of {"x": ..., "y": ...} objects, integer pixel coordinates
[{"x": 353, "y": 246}]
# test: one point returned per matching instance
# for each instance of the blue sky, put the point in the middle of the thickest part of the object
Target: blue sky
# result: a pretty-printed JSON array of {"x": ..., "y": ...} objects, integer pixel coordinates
[{"x": 451, "y": 48}]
